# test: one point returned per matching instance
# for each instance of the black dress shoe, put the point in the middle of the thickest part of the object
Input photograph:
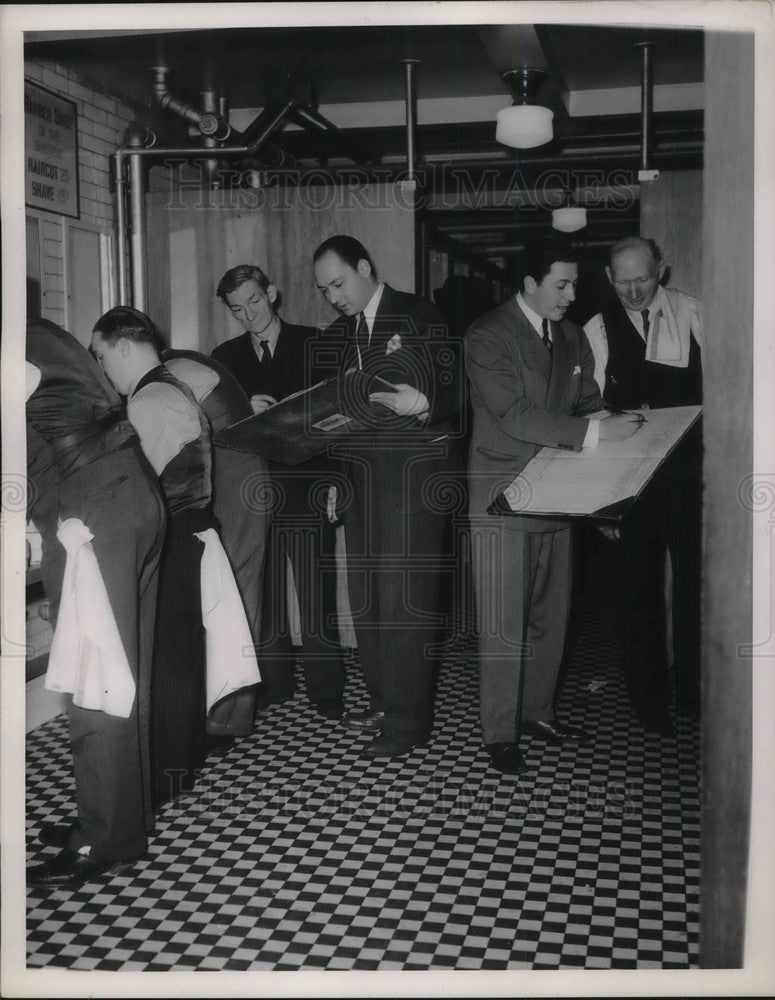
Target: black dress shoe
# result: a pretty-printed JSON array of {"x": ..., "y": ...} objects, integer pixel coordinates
[
  {"x": 364, "y": 722},
  {"x": 56, "y": 834},
  {"x": 391, "y": 745},
  {"x": 506, "y": 758},
  {"x": 217, "y": 745},
  {"x": 657, "y": 723},
  {"x": 330, "y": 708},
  {"x": 69, "y": 870},
  {"x": 555, "y": 732}
]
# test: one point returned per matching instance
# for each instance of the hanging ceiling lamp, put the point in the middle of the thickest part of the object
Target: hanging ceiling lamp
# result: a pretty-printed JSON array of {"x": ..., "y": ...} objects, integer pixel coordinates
[
  {"x": 525, "y": 124},
  {"x": 570, "y": 218}
]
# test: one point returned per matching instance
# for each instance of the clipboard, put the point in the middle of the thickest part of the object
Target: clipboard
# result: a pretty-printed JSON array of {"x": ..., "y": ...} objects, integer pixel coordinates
[
  {"x": 304, "y": 424},
  {"x": 619, "y": 471}
]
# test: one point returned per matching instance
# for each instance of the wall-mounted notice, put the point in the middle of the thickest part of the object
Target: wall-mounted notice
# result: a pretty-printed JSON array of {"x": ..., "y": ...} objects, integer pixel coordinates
[{"x": 50, "y": 151}]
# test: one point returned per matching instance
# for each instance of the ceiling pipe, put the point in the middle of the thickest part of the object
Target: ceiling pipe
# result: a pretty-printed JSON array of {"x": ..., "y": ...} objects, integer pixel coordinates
[
  {"x": 411, "y": 116},
  {"x": 138, "y": 138},
  {"x": 211, "y": 119},
  {"x": 119, "y": 177},
  {"x": 305, "y": 115},
  {"x": 646, "y": 98},
  {"x": 184, "y": 110}
]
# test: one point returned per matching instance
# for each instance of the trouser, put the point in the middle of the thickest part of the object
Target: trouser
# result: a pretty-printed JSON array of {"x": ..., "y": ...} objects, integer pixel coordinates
[
  {"x": 395, "y": 568},
  {"x": 308, "y": 542},
  {"x": 122, "y": 507},
  {"x": 179, "y": 695},
  {"x": 522, "y": 586},
  {"x": 240, "y": 507},
  {"x": 666, "y": 518}
]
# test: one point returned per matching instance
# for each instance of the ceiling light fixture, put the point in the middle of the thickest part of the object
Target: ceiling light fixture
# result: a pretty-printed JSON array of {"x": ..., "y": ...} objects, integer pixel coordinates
[
  {"x": 525, "y": 124},
  {"x": 570, "y": 218}
]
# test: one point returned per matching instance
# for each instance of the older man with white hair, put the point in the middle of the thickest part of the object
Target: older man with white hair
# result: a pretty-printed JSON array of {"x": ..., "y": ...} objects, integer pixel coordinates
[{"x": 647, "y": 345}]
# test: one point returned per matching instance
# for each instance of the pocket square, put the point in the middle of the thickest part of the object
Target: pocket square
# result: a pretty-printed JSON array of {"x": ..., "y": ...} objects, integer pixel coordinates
[
  {"x": 577, "y": 370},
  {"x": 393, "y": 344}
]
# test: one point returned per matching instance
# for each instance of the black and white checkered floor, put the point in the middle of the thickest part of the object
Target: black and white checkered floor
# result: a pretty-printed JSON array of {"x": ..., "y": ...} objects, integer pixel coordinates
[{"x": 296, "y": 852}]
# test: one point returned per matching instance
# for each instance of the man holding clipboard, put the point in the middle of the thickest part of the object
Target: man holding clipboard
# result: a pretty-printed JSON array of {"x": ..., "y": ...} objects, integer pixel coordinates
[
  {"x": 397, "y": 528},
  {"x": 271, "y": 361}
]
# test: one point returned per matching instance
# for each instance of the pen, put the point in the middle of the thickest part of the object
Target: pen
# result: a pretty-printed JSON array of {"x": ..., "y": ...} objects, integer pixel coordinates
[{"x": 622, "y": 413}]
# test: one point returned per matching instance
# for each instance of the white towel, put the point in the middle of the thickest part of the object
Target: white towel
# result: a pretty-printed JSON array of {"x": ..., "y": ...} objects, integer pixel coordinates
[
  {"x": 231, "y": 659},
  {"x": 87, "y": 657},
  {"x": 674, "y": 318}
]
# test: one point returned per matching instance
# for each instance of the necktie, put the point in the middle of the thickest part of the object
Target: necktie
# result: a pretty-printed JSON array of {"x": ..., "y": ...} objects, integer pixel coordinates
[
  {"x": 546, "y": 340},
  {"x": 266, "y": 354},
  {"x": 361, "y": 338},
  {"x": 645, "y": 316}
]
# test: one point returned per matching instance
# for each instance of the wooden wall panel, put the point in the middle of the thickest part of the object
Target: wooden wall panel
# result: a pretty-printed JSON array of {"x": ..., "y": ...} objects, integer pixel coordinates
[
  {"x": 279, "y": 231},
  {"x": 728, "y": 228},
  {"x": 671, "y": 214}
]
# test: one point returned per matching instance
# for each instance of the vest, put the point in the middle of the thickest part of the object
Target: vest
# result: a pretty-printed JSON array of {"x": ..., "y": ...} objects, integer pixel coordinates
[
  {"x": 631, "y": 381},
  {"x": 186, "y": 479},
  {"x": 74, "y": 408},
  {"x": 227, "y": 404}
]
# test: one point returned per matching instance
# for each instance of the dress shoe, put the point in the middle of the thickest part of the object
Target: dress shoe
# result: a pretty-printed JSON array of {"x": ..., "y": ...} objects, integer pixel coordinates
[
  {"x": 56, "y": 834},
  {"x": 330, "y": 708},
  {"x": 555, "y": 732},
  {"x": 506, "y": 758},
  {"x": 656, "y": 722},
  {"x": 364, "y": 722},
  {"x": 217, "y": 745},
  {"x": 69, "y": 870},
  {"x": 391, "y": 745}
]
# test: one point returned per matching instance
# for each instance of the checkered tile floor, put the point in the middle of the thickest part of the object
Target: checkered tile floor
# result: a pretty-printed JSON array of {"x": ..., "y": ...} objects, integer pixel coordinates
[{"x": 296, "y": 852}]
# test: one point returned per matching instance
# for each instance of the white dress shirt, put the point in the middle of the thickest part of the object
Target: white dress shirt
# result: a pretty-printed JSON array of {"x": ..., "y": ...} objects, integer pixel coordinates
[{"x": 271, "y": 335}]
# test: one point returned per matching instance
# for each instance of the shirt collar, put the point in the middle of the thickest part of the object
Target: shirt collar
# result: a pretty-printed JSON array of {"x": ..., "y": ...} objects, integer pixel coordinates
[
  {"x": 270, "y": 335},
  {"x": 532, "y": 317},
  {"x": 370, "y": 309}
]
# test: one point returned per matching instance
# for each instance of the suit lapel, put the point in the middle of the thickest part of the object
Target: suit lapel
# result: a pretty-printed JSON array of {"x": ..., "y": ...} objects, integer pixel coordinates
[{"x": 533, "y": 351}]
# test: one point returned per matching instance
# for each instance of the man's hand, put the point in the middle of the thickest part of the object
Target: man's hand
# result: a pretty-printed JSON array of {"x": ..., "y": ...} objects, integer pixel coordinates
[
  {"x": 619, "y": 428},
  {"x": 609, "y": 532},
  {"x": 261, "y": 403},
  {"x": 406, "y": 401}
]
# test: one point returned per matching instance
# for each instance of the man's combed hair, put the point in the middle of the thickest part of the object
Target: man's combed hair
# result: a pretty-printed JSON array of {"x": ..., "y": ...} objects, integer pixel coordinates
[
  {"x": 237, "y": 276},
  {"x": 635, "y": 243},
  {"x": 124, "y": 322},
  {"x": 348, "y": 249},
  {"x": 540, "y": 253}
]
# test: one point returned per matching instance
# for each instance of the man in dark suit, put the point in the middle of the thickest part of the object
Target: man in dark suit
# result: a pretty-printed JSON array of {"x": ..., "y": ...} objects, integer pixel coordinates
[
  {"x": 270, "y": 360},
  {"x": 532, "y": 385},
  {"x": 399, "y": 467}
]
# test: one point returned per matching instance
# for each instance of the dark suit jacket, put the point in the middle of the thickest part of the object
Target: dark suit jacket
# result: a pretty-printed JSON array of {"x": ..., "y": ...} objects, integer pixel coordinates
[
  {"x": 404, "y": 464},
  {"x": 290, "y": 367},
  {"x": 523, "y": 399}
]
